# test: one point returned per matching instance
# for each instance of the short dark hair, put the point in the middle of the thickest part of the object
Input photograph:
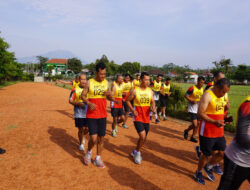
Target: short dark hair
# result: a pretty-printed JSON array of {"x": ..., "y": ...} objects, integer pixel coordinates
[
  {"x": 118, "y": 75},
  {"x": 168, "y": 78},
  {"x": 201, "y": 78},
  {"x": 100, "y": 65},
  {"x": 222, "y": 82},
  {"x": 217, "y": 73},
  {"x": 144, "y": 74},
  {"x": 160, "y": 75},
  {"x": 137, "y": 75},
  {"x": 126, "y": 75}
]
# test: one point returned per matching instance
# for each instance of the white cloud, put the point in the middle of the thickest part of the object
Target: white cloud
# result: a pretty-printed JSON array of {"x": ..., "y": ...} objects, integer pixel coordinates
[{"x": 66, "y": 11}]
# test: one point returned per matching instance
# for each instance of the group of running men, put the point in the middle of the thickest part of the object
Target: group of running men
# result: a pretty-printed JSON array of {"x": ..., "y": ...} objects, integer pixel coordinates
[{"x": 141, "y": 97}]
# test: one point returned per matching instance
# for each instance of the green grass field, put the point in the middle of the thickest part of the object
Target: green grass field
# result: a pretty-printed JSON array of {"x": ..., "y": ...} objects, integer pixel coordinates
[{"x": 236, "y": 95}]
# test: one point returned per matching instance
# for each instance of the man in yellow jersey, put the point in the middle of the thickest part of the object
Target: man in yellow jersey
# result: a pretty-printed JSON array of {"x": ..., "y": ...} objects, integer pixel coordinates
[
  {"x": 116, "y": 109},
  {"x": 193, "y": 96},
  {"x": 237, "y": 153},
  {"x": 74, "y": 83},
  {"x": 97, "y": 90},
  {"x": 211, "y": 129},
  {"x": 217, "y": 76},
  {"x": 156, "y": 87},
  {"x": 127, "y": 85},
  {"x": 143, "y": 103},
  {"x": 136, "y": 81},
  {"x": 165, "y": 92},
  {"x": 80, "y": 110}
]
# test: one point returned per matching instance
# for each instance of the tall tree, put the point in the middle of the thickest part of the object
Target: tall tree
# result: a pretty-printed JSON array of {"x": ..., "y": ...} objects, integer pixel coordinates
[
  {"x": 75, "y": 65},
  {"x": 42, "y": 60},
  {"x": 9, "y": 68}
]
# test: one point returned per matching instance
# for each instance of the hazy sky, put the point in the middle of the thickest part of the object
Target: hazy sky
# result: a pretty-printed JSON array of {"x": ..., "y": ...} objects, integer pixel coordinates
[{"x": 153, "y": 32}]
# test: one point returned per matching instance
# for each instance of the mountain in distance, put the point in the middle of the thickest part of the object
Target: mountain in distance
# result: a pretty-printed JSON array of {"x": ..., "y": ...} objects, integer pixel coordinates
[{"x": 60, "y": 54}]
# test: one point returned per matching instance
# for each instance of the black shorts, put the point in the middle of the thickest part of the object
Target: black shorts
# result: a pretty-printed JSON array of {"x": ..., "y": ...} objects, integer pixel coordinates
[
  {"x": 141, "y": 127},
  {"x": 193, "y": 116},
  {"x": 125, "y": 107},
  {"x": 97, "y": 126},
  {"x": 156, "y": 103},
  {"x": 233, "y": 175},
  {"x": 80, "y": 122},
  {"x": 163, "y": 100},
  {"x": 208, "y": 145},
  {"x": 116, "y": 112}
]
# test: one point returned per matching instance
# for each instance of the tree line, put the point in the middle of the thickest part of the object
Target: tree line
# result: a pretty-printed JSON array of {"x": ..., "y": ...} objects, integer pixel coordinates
[{"x": 10, "y": 69}]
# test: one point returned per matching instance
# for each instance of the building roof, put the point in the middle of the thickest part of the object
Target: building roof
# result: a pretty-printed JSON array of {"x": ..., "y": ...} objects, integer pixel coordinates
[
  {"x": 57, "y": 61},
  {"x": 191, "y": 73},
  {"x": 172, "y": 73}
]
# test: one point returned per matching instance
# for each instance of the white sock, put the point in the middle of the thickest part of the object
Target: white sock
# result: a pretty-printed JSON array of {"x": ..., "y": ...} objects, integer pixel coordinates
[
  {"x": 160, "y": 114},
  {"x": 89, "y": 151},
  {"x": 156, "y": 117},
  {"x": 151, "y": 113},
  {"x": 164, "y": 115},
  {"x": 83, "y": 140},
  {"x": 209, "y": 166},
  {"x": 98, "y": 157}
]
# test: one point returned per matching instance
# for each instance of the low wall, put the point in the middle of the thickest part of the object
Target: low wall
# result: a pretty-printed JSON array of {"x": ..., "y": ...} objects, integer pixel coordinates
[{"x": 38, "y": 79}]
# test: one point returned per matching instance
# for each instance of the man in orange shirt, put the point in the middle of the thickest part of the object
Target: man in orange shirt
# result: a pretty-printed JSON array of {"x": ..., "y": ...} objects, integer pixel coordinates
[
  {"x": 142, "y": 97},
  {"x": 211, "y": 130},
  {"x": 97, "y": 91}
]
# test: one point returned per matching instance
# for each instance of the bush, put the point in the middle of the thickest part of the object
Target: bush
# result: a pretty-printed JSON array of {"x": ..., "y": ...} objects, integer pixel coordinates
[{"x": 28, "y": 77}]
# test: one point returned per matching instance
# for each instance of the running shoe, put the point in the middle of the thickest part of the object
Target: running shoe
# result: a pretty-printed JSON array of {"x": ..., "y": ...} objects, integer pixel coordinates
[
  {"x": 217, "y": 169},
  {"x": 113, "y": 133},
  {"x": 150, "y": 118},
  {"x": 116, "y": 128},
  {"x": 124, "y": 126},
  {"x": 165, "y": 118},
  {"x": 133, "y": 153},
  {"x": 157, "y": 121},
  {"x": 2, "y": 151},
  {"x": 209, "y": 173},
  {"x": 99, "y": 163},
  {"x": 81, "y": 147},
  {"x": 185, "y": 134},
  {"x": 130, "y": 114},
  {"x": 87, "y": 158},
  {"x": 197, "y": 151},
  {"x": 192, "y": 139},
  {"x": 199, "y": 178},
  {"x": 138, "y": 158}
]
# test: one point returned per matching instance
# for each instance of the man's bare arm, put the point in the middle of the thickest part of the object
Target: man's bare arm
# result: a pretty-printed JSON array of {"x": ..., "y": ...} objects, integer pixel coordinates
[{"x": 131, "y": 97}]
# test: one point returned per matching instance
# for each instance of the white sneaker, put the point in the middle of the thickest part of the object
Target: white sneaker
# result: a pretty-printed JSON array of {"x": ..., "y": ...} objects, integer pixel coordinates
[
  {"x": 81, "y": 147},
  {"x": 138, "y": 158}
]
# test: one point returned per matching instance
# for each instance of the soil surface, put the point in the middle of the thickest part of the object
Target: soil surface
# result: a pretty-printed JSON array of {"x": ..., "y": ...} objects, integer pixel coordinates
[{"x": 37, "y": 130}]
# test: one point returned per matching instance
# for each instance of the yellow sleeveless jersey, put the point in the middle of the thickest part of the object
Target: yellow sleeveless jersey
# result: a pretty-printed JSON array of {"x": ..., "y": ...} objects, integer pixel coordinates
[
  {"x": 215, "y": 110},
  {"x": 97, "y": 97},
  {"x": 97, "y": 89},
  {"x": 197, "y": 93},
  {"x": 75, "y": 84},
  {"x": 117, "y": 95},
  {"x": 143, "y": 97},
  {"x": 166, "y": 88},
  {"x": 142, "y": 103},
  {"x": 78, "y": 91},
  {"x": 136, "y": 83},
  {"x": 157, "y": 86},
  {"x": 127, "y": 86},
  {"x": 118, "y": 90}
]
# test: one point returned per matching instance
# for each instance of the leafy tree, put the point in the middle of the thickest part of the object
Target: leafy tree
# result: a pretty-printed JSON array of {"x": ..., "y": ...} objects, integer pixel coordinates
[
  {"x": 42, "y": 62},
  {"x": 242, "y": 73},
  {"x": 131, "y": 68},
  {"x": 9, "y": 68},
  {"x": 75, "y": 65}
]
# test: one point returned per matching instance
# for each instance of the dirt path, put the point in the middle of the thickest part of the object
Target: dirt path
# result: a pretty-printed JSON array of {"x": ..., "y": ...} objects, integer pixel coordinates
[{"x": 37, "y": 130}]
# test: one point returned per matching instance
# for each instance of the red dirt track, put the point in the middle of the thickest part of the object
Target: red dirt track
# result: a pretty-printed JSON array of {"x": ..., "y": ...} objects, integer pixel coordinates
[{"x": 37, "y": 130}]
